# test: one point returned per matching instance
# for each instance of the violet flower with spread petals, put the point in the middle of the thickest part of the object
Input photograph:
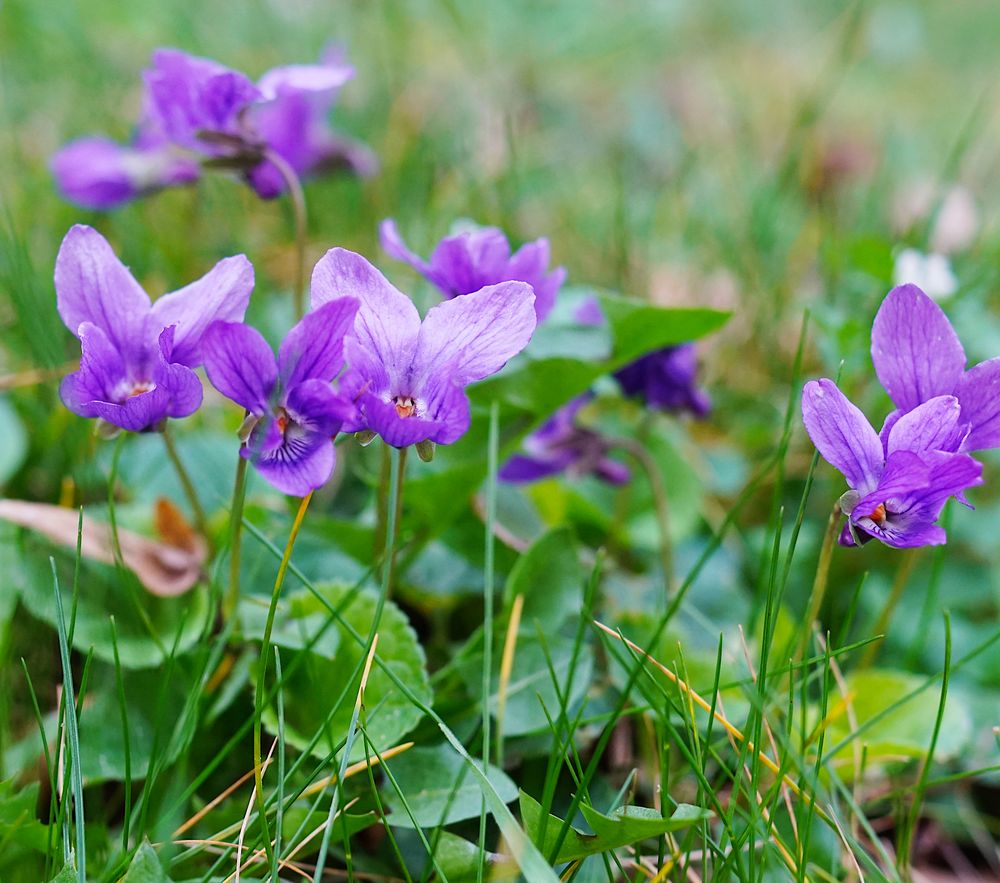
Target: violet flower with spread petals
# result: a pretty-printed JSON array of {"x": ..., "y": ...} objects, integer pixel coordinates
[
  {"x": 471, "y": 260},
  {"x": 560, "y": 445},
  {"x": 136, "y": 367},
  {"x": 294, "y": 411},
  {"x": 917, "y": 356},
  {"x": 897, "y": 488},
  {"x": 408, "y": 377}
]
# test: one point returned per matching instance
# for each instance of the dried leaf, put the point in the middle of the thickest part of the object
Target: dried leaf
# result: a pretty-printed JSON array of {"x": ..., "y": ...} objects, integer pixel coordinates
[{"x": 165, "y": 569}]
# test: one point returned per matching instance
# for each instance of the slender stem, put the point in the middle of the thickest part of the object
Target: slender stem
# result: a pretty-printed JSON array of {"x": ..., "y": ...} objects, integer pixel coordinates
[
  {"x": 186, "y": 483},
  {"x": 397, "y": 514},
  {"x": 898, "y": 585},
  {"x": 116, "y": 546},
  {"x": 265, "y": 652},
  {"x": 235, "y": 536},
  {"x": 382, "y": 505},
  {"x": 488, "y": 591},
  {"x": 821, "y": 579},
  {"x": 298, "y": 198},
  {"x": 641, "y": 455}
]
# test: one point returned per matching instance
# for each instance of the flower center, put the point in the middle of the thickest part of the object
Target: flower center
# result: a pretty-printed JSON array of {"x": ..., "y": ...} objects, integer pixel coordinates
[
  {"x": 139, "y": 387},
  {"x": 282, "y": 419},
  {"x": 878, "y": 515},
  {"x": 405, "y": 406}
]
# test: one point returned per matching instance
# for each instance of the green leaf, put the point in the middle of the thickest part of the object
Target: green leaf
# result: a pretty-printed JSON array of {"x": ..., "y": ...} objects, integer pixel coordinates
[
  {"x": 550, "y": 578},
  {"x": 145, "y": 867},
  {"x": 429, "y": 780},
  {"x": 638, "y": 327},
  {"x": 319, "y": 680},
  {"x": 105, "y": 592},
  {"x": 459, "y": 860},
  {"x": 625, "y": 826},
  {"x": 66, "y": 875},
  {"x": 20, "y": 830},
  {"x": 153, "y": 706},
  {"x": 530, "y": 682},
  {"x": 905, "y": 732}
]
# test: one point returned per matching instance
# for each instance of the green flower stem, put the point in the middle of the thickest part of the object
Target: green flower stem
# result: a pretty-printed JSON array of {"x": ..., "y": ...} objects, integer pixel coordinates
[
  {"x": 298, "y": 198},
  {"x": 898, "y": 586},
  {"x": 265, "y": 650},
  {"x": 186, "y": 483}
]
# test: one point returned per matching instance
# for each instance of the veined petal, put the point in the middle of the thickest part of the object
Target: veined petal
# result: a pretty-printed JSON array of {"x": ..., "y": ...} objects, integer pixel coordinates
[
  {"x": 295, "y": 465},
  {"x": 314, "y": 348},
  {"x": 842, "y": 434},
  {"x": 180, "y": 384},
  {"x": 473, "y": 336},
  {"x": 239, "y": 363},
  {"x": 905, "y": 475},
  {"x": 979, "y": 393},
  {"x": 315, "y": 406},
  {"x": 102, "y": 369},
  {"x": 92, "y": 285},
  {"x": 932, "y": 426},
  {"x": 387, "y": 323},
  {"x": 223, "y": 294},
  {"x": 916, "y": 353},
  {"x": 907, "y": 534}
]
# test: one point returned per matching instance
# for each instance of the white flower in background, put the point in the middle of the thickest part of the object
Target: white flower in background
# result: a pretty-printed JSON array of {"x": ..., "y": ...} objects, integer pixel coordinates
[
  {"x": 931, "y": 272},
  {"x": 956, "y": 224}
]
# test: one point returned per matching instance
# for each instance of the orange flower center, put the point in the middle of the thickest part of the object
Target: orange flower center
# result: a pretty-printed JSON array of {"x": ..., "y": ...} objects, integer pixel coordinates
[
  {"x": 878, "y": 515},
  {"x": 405, "y": 406},
  {"x": 139, "y": 388}
]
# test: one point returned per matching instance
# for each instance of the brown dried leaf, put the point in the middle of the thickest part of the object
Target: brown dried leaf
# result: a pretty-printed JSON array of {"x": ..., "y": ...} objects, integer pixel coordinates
[{"x": 165, "y": 569}]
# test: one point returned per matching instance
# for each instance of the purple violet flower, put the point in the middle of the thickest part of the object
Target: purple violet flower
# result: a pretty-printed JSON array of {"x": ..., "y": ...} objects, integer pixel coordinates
[
  {"x": 665, "y": 378},
  {"x": 196, "y": 107},
  {"x": 98, "y": 173},
  {"x": 213, "y": 110},
  {"x": 408, "y": 377},
  {"x": 897, "y": 487},
  {"x": 559, "y": 445},
  {"x": 293, "y": 410},
  {"x": 471, "y": 260},
  {"x": 136, "y": 367},
  {"x": 918, "y": 356}
]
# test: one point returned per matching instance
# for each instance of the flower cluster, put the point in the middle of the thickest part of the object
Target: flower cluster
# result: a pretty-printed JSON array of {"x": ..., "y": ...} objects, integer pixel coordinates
[
  {"x": 405, "y": 379},
  {"x": 900, "y": 478},
  {"x": 198, "y": 113}
]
